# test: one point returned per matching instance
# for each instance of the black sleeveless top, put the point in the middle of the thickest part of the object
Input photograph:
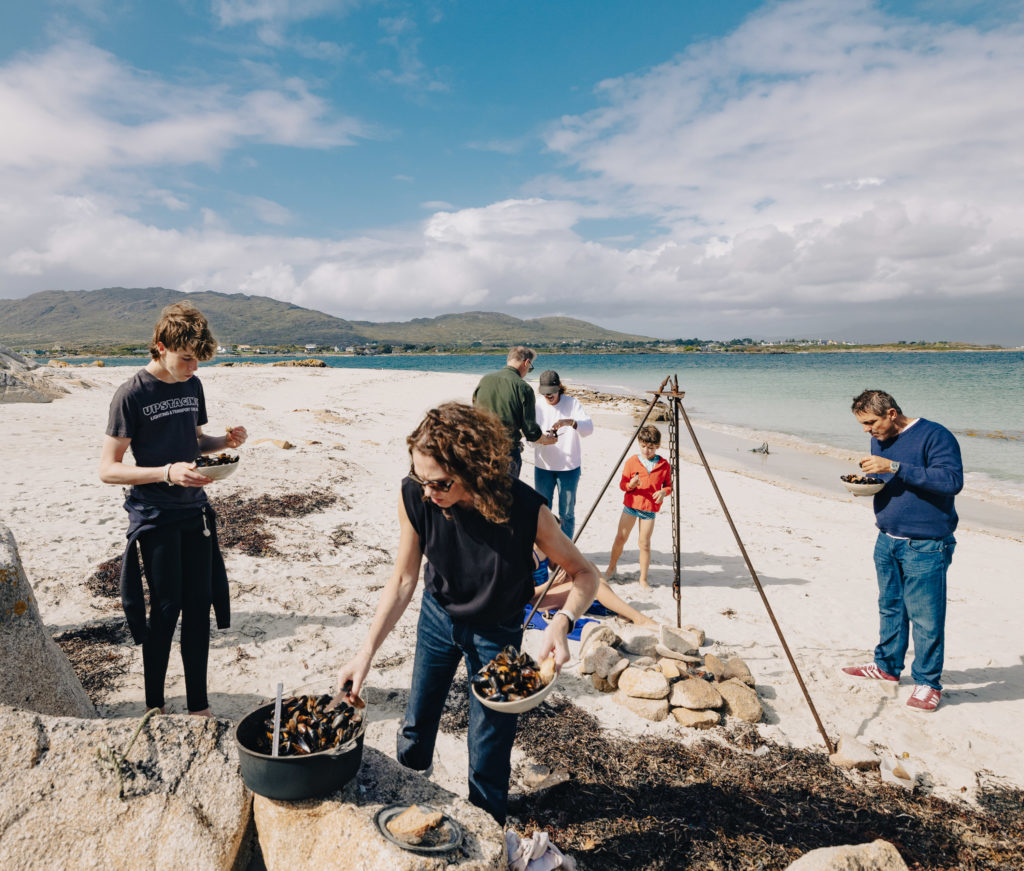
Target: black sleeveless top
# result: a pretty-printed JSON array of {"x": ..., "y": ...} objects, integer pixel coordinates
[{"x": 479, "y": 572}]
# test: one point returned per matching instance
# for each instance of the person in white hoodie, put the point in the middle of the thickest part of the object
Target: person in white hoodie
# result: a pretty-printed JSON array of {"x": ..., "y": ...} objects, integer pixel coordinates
[{"x": 562, "y": 416}]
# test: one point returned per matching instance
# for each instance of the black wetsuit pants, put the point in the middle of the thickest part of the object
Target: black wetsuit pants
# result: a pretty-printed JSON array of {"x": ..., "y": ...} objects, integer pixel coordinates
[{"x": 178, "y": 564}]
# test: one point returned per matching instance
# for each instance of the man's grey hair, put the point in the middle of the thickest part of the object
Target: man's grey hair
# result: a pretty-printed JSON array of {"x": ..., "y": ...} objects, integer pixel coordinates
[
  {"x": 520, "y": 354},
  {"x": 876, "y": 402}
]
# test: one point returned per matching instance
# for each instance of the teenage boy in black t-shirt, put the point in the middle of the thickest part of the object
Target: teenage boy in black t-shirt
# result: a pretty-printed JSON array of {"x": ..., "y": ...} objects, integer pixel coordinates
[{"x": 159, "y": 413}]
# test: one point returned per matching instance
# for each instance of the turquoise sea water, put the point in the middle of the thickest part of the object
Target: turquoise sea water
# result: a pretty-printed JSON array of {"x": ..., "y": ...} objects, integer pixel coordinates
[{"x": 978, "y": 395}]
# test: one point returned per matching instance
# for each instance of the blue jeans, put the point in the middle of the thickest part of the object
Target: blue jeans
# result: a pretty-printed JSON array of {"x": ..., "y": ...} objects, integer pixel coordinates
[
  {"x": 440, "y": 644},
  {"x": 544, "y": 482},
  {"x": 912, "y": 592}
]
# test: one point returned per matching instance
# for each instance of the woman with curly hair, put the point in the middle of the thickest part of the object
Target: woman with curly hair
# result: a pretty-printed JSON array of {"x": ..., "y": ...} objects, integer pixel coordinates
[{"x": 476, "y": 526}]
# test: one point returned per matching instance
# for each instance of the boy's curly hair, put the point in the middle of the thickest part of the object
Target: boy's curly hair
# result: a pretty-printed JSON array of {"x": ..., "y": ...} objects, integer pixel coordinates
[
  {"x": 182, "y": 327},
  {"x": 472, "y": 446}
]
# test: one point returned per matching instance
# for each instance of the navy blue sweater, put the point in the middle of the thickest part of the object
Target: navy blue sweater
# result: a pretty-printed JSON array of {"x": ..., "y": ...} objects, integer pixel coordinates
[{"x": 917, "y": 502}]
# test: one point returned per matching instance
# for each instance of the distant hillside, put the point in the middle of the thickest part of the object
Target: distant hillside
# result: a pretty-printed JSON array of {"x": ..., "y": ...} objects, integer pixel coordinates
[
  {"x": 117, "y": 316},
  {"x": 490, "y": 328}
]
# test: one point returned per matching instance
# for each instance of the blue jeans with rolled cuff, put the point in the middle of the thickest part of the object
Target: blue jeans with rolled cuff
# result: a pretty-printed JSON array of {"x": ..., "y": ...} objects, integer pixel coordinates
[
  {"x": 912, "y": 595},
  {"x": 440, "y": 644},
  {"x": 544, "y": 481}
]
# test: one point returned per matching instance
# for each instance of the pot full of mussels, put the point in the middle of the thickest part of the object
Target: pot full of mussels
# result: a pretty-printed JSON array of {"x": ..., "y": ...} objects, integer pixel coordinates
[
  {"x": 513, "y": 682},
  {"x": 319, "y": 750}
]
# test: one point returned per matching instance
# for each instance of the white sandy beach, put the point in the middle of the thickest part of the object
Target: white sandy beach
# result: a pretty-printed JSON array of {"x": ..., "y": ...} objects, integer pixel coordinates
[{"x": 297, "y": 618}]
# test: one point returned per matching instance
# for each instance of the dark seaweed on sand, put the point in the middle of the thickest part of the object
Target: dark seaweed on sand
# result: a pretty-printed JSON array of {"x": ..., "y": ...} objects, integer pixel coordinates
[
  {"x": 105, "y": 582},
  {"x": 99, "y": 655},
  {"x": 656, "y": 804},
  {"x": 241, "y": 523}
]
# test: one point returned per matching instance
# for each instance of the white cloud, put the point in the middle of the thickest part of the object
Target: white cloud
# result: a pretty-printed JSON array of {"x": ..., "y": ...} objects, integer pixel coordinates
[
  {"x": 76, "y": 109},
  {"x": 402, "y": 34},
  {"x": 231, "y": 13},
  {"x": 267, "y": 211}
]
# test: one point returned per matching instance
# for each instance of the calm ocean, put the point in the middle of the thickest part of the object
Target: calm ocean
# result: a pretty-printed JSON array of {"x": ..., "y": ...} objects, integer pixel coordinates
[{"x": 978, "y": 395}]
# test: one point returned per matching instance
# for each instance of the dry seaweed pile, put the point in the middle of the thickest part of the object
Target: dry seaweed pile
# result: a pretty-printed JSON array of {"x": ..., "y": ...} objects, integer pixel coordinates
[
  {"x": 241, "y": 523},
  {"x": 99, "y": 656},
  {"x": 105, "y": 582},
  {"x": 655, "y": 804}
]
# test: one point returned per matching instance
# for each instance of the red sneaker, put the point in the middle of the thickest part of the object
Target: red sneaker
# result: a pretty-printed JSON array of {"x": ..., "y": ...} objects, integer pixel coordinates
[
  {"x": 924, "y": 698},
  {"x": 872, "y": 671}
]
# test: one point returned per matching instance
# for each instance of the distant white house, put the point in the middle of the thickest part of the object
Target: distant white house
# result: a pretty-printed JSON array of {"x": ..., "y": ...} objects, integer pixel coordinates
[{"x": 311, "y": 348}]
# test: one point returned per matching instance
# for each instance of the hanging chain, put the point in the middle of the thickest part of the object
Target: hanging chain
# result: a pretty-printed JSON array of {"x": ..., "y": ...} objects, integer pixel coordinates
[{"x": 673, "y": 439}]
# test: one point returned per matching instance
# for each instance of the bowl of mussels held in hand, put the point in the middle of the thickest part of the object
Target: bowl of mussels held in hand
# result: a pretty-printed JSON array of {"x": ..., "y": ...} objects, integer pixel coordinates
[
  {"x": 319, "y": 750},
  {"x": 862, "y": 485},
  {"x": 513, "y": 682},
  {"x": 217, "y": 466}
]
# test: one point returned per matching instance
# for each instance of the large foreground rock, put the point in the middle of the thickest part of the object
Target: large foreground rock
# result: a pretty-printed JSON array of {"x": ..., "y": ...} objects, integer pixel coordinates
[
  {"x": 184, "y": 804},
  {"x": 34, "y": 673},
  {"x": 339, "y": 831},
  {"x": 877, "y": 856}
]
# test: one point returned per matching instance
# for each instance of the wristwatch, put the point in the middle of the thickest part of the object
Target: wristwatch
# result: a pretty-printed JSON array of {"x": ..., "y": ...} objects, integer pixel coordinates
[{"x": 894, "y": 467}]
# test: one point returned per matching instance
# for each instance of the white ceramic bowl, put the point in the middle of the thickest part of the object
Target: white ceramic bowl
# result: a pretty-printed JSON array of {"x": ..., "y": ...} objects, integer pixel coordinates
[
  {"x": 218, "y": 473},
  {"x": 863, "y": 489},
  {"x": 519, "y": 705}
]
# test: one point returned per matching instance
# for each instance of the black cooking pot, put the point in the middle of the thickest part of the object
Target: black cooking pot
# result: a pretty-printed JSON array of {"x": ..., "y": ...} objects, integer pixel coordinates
[{"x": 294, "y": 777}]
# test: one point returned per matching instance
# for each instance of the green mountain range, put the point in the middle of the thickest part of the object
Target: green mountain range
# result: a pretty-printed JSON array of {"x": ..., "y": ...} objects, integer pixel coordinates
[{"x": 119, "y": 316}]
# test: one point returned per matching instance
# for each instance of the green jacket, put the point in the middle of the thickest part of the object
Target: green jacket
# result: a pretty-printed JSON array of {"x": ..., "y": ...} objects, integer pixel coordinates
[{"x": 506, "y": 394}]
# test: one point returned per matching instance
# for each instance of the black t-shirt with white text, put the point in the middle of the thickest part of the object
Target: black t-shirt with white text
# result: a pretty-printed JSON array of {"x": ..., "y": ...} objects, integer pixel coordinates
[{"x": 161, "y": 421}]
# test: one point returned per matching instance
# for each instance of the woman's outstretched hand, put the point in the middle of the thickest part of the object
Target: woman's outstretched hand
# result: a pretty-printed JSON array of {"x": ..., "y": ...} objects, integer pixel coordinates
[{"x": 350, "y": 680}]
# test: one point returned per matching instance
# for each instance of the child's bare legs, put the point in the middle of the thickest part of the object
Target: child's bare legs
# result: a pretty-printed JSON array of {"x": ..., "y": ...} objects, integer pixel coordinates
[
  {"x": 626, "y": 522},
  {"x": 558, "y": 593},
  {"x": 646, "y": 530}
]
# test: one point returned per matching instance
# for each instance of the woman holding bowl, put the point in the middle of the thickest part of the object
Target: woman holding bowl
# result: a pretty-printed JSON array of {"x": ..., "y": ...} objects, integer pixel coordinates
[{"x": 476, "y": 526}]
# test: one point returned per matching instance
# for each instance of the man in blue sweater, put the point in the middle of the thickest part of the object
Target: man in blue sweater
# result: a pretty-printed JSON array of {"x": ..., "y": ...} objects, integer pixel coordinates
[{"x": 915, "y": 517}]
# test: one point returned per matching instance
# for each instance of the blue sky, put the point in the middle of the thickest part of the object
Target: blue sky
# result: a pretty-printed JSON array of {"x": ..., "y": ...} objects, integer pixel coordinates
[{"x": 670, "y": 168}]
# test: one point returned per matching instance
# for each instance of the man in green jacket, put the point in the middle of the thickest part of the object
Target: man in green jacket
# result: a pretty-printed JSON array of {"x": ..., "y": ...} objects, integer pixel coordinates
[{"x": 506, "y": 394}]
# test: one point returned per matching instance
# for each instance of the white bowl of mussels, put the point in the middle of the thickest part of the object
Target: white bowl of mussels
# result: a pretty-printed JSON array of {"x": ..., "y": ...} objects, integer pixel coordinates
[
  {"x": 513, "y": 682},
  {"x": 862, "y": 485},
  {"x": 217, "y": 466}
]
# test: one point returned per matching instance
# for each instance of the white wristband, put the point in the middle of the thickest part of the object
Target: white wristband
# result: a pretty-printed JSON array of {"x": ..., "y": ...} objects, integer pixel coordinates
[
  {"x": 167, "y": 474},
  {"x": 569, "y": 615}
]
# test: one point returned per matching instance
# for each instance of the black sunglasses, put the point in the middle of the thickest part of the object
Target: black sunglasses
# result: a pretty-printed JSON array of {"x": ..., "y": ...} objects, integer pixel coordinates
[{"x": 441, "y": 486}]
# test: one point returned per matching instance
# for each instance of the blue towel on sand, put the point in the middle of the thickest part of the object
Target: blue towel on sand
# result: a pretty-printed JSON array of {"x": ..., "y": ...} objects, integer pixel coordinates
[{"x": 538, "y": 622}]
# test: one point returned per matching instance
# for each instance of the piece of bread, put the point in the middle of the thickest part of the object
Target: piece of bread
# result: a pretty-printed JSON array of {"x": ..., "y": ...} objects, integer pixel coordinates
[
  {"x": 412, "y": 824},
  {"x": 547, "y": 670}
]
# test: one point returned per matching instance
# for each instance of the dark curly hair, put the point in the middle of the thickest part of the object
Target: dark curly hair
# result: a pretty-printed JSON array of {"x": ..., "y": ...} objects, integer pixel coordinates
[{"x": 472, "y": 446}]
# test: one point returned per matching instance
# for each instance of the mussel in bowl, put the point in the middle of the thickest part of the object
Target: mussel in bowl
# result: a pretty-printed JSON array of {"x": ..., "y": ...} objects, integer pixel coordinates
[
  {"x": 307, "y": 726},
  {"x": 511, "y": 678}
]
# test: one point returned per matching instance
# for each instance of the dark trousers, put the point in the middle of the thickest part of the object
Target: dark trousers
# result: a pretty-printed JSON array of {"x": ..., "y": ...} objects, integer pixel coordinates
[
  {"x": 178, "y": 564},
  {"x": 515, "y": 463},
  {"x": 440, "y": 644}
]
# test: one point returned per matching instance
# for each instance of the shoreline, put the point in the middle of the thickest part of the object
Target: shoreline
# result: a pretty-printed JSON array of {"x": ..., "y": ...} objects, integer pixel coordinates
[{"x": 814, "y": 469}]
